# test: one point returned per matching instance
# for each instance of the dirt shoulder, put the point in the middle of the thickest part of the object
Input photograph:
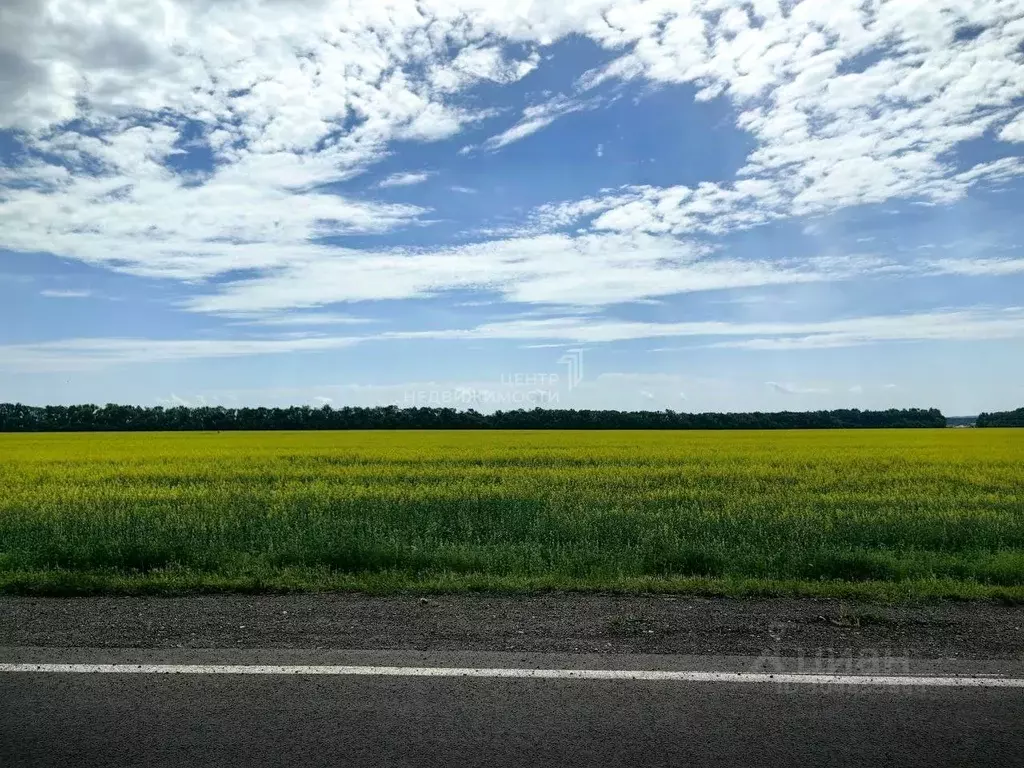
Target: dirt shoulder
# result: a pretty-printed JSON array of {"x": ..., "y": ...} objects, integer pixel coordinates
[{"x": 555, "y": 622}]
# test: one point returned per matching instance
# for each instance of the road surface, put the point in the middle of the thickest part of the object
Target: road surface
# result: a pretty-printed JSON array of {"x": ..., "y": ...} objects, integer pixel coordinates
[{"x": 142, "y": 685}]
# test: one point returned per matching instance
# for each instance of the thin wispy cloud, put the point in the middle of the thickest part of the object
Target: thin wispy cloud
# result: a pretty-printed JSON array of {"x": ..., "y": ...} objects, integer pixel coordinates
[
  {"x": 70, "y": 293},
  {"x": 962, "y": 325},
  {"x": 536, "y": 118},
  {"x": 298, "y": 319},
  {"x": 405, "y": 179},
  {"x": 796, "y": 389},
  {"x": 979, "y": 267}
]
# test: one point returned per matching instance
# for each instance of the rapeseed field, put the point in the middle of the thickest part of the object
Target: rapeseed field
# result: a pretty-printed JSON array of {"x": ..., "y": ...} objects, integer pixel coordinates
[{"x": 900, "y": 513}]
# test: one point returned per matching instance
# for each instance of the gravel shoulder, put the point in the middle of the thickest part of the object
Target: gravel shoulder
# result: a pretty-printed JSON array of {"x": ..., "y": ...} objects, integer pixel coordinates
[{"x": 546, "y": 623}]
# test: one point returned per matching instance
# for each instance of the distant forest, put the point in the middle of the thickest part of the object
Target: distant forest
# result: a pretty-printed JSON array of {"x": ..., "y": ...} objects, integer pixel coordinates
[
  {"x": 130, "y": 418},
  {"x": 1002, "y": 419}
]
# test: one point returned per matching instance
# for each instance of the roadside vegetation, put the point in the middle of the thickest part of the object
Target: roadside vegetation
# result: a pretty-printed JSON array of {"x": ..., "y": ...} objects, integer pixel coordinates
[{"x": 873, "y": 513}]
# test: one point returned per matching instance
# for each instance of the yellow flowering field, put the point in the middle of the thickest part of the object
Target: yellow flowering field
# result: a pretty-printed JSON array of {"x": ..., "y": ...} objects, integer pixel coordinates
[{"x": 917, "y": 513}]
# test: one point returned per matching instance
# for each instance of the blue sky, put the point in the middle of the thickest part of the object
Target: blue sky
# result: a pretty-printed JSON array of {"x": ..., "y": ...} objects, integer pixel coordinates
[{"x": 724, "y": 206}]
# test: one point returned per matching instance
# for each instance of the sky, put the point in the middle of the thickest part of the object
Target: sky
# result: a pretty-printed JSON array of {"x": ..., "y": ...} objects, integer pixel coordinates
[{"x": 639, "y": 204}]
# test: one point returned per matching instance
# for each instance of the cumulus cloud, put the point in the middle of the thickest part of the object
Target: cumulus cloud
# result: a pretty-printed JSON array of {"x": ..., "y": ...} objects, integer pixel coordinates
[
  {"x": 282, "y": 104},
  {"x": 481, "y": 63},
  {"x": 849, "y": 102},
  {"x": 193, "y": 139}
]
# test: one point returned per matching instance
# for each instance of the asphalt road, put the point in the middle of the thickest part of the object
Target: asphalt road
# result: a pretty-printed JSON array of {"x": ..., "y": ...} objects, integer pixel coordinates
[
  {"x": 316, "y": 720},
  {"x": 312, "y": 720}
]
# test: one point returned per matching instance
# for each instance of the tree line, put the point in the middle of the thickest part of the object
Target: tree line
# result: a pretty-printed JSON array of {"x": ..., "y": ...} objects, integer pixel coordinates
[
  {"x": 1001, "y": 419},
  {"x": 15, "y": 417}
]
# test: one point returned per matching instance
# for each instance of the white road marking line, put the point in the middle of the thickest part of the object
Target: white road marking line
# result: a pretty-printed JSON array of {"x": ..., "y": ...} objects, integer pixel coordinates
[{"x": 535, "y": 674}]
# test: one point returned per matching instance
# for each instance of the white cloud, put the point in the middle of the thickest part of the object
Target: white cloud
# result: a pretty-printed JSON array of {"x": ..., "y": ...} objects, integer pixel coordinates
[
  {"x": 947, "y": 325},
  {"x": 555, "y": 215},
  {"x": 1013, "y": 130},
  {"x": 1001, "y": 170},
  {"x": 288, "y": 97},
  {"x": 845, "y": 102},
  {"x": 141, "y": 220},
  {"x": 709, "y": 208},
  {"x": 978, "y": 267},
  {"x": 464, "y": 190},
  {"x": 796, "y": 389},
  {"x": 537, "y": 117},
  {"x": 94, "y": 353},
  {"x": 174, "y": 401},
  {"x": 553, "y": 269},
  {"x": 264, "y": 76},
  {"x": 481, "y": 63},
  {"x": 849, "y": 103},
  {"x": 951, "y": 325},
  {"x": 54, "y": 293},
  {"x": 405, "y": 179},
  {"x": 297, "y": 319}
]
